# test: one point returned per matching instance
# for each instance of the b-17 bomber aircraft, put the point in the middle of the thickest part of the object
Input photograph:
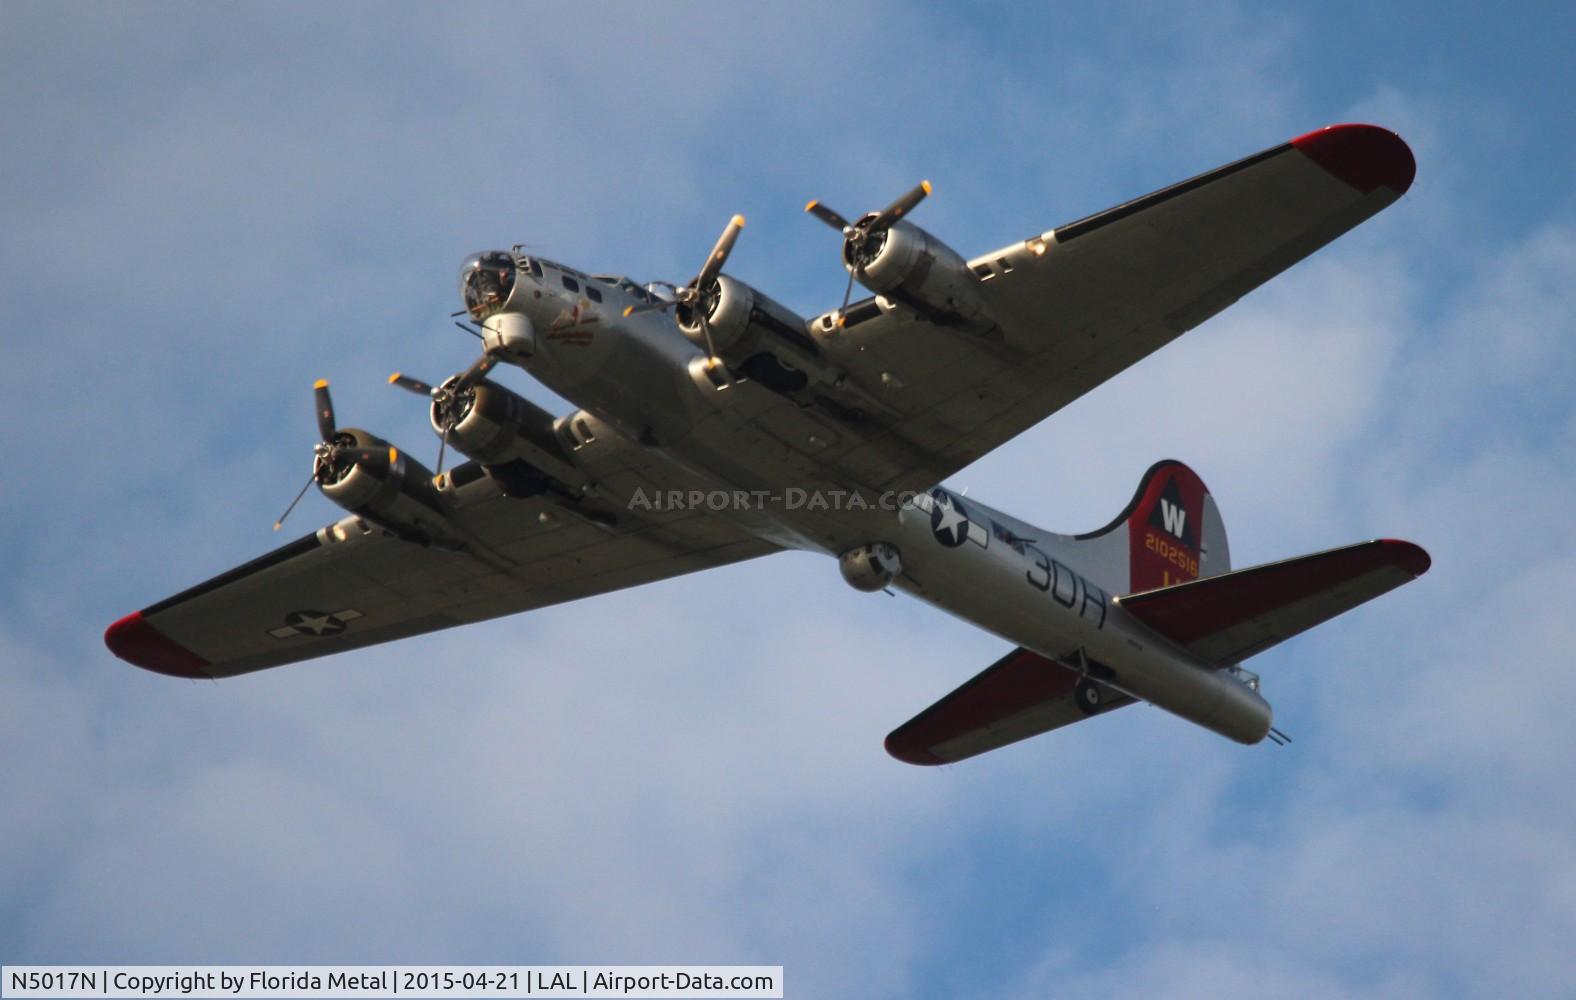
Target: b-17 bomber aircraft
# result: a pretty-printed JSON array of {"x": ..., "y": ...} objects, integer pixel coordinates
[{"x": 716, "y": 425}]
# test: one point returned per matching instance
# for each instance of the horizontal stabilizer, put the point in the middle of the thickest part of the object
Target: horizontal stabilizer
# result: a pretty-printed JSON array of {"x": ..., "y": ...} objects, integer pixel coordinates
[
  {"x": 1225, "y": 619},
  {"x": 1022, "y": 694}
]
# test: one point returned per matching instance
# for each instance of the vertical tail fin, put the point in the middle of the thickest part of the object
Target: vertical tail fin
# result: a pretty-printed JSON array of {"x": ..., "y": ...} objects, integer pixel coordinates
[{"x": 1169, "y": 533}]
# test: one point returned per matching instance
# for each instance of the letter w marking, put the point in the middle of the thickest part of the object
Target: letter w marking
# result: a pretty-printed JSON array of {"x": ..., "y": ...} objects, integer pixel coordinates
[{"x": 1173, "y": 516}]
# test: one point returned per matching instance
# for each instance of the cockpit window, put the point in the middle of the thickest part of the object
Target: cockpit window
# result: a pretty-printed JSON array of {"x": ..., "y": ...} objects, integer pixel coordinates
[
  {"x": 486, "y": 279},
  {"x": 624, "y": 285}
]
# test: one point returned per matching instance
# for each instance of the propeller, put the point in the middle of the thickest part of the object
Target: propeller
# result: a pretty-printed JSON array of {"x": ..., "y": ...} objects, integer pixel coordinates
[
  {"x": 696, "y": 295},
  {"x": 448, "y": 399},
  {"x": 336, "y": 453},
  {"x": 325, "y": 409},
  {"x": 861, "y": 239}
]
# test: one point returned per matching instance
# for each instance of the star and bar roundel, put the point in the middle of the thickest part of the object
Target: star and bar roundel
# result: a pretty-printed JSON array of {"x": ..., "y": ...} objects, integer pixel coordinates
[
  {"x": 315, "y": 623},
  {"x": 950, "y": 521}
]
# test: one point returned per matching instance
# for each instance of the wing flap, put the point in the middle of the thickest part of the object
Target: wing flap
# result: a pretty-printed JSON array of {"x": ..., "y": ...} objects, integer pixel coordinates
[
  {"x": 1023, "y": 694},
  {"x": 1227, "y": 618}
]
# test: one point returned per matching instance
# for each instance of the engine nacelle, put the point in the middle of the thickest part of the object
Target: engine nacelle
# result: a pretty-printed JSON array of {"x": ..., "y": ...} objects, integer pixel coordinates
[
  {"x": 498, "y": 426},
  {"x": 745, "y": 323},
  {"x": 870, "y": 567},
  {"x": 397, "y": 494},
  {"x": 913, "y": 268},
  {"x": 727, "y": 312}
]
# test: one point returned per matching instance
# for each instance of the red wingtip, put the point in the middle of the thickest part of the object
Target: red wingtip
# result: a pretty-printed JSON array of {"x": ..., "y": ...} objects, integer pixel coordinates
[
  {"x": 1412, "y": 558},
  {"x": 1364, "y": 156},
  {"x": 135, "y": 641},
  {"x": 910, "y": 753}
]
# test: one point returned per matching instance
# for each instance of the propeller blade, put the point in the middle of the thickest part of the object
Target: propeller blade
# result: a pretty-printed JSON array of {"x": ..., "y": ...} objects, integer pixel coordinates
[
  {"x": 712, "y": 361},
  {"x": 310, "y": 480},
  {"x": 899, "y": 208},
  {"x": 476, "y": 372},
  {"x": 827, "y": 215},
  {"x": 415, "y": 385},
  {"x": 705, "y": 329},
  {"x": 847, "y": 293},
  {"x": 325, "y": 409},
  {"x": 719, "y": 253},
  {"x": 443, "y": 445},
  {"x": 645, "y": 307}
]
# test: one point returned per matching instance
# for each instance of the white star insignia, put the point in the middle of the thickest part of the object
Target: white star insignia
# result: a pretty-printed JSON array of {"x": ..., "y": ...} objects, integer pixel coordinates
[
  {"x": 300, "y": 623},
  {"x": 318, "y": 625},
  {"x": 953, "y": 522}
]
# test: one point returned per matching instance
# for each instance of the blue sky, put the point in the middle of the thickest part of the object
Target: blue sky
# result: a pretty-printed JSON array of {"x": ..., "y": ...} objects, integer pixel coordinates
[{"x": 207, "y": 207}]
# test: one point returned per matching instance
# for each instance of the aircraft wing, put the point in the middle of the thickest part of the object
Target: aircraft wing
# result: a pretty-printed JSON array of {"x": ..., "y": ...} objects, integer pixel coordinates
[
  {"x": 1082, "y": 302},
  {"x": 350, "y": 584},
  {"x": 1023, "y": 694}
]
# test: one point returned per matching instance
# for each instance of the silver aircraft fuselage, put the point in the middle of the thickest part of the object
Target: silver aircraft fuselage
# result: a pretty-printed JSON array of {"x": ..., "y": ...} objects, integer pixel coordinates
[{"x": 636, "y": 375}]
